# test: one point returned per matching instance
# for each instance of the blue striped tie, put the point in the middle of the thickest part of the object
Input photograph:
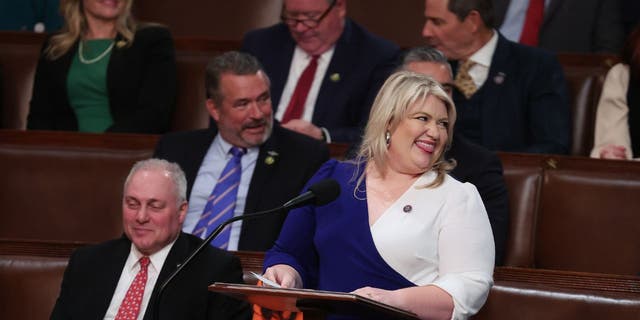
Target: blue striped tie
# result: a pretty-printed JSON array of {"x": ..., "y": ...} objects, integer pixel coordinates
[{"x": 222, "y": 202}]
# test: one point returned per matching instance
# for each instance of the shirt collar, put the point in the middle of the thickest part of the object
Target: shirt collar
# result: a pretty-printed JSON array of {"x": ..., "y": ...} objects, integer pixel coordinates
[
  {"x": 485, "y": 54},
  {"x": 157, "y": 259},
  {"x": 224, "y": 146}
]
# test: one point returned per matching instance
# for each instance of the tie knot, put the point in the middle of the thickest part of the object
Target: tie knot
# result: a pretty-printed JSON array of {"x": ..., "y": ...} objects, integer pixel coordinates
[
  {"x": 144, "y": 262},
  {"x": 237, "y": 152},
  {"x": 466, "y": 65}
]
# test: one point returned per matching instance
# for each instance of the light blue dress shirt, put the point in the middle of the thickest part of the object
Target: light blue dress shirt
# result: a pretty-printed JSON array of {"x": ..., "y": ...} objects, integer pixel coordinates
[
  {"x": 513, "y": 22},
  {"x": 214, "y": 162}
]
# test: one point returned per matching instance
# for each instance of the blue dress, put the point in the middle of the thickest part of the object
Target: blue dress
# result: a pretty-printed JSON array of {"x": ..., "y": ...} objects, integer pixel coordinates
[{"x": 333, "y": 249}]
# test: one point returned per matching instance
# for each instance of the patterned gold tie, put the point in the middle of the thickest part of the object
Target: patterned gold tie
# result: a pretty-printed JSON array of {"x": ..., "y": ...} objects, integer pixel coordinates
[{"x": 463, "y": 80}]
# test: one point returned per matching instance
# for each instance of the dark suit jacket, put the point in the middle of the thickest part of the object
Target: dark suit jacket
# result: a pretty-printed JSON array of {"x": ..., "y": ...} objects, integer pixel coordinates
[
  {"x": 362, "y": 60},
  {"x": 298, "y": 158},
  {"x": 523, "y": 104},
  {"x": 577, "y": 25},
  {"x": 483, "y": 169},
  {"x": 92, "y": 275},
  {"x": 141, "y": 83}
]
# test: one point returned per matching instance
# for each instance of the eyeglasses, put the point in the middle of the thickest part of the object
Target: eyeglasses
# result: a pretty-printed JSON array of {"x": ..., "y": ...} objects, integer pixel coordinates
[{"x": 309, "y": 22}]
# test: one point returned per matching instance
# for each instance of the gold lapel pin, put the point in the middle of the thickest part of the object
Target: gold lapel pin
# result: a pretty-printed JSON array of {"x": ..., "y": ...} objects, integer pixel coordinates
[
  {"x": 269, "y": 160},
  {"x": 271, "y": 157},
  {"x": 120, "y": 44},
  {"x": 335, "y": 77}
]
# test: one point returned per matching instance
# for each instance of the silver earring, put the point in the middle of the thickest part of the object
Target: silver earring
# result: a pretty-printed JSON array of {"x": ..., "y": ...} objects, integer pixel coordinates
[{"x": 387, "y": 137}]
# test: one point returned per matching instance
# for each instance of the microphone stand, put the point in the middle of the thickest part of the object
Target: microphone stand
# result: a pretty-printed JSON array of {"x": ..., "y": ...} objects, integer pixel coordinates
[{"x": 200, "y": 248}]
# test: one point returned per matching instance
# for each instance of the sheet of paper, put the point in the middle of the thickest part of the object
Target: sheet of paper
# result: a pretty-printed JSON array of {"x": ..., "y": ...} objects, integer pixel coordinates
[{"x": 265, "y": 281}]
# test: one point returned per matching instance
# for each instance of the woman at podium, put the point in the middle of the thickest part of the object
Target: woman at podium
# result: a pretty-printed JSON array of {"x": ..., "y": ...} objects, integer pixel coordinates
[{"x": 402, "y": 232}]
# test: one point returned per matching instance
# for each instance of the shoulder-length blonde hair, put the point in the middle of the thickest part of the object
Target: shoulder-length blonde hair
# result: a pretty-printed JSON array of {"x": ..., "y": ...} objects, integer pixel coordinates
[
  {"x": 402, "y": 90},
  {"x": 75, "y": 24}
]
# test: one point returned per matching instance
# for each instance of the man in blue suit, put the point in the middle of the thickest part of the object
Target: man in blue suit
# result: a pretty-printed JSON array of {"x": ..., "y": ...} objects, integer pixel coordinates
[
  {"x": 351, "y": 66},
  {"x": 509, "y": 97}
]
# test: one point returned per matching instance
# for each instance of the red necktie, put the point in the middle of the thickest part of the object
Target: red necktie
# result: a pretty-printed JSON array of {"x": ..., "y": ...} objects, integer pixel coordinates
[
  {"x": 130, "y": 306},
  {"x": 299, "y": 97},
  {"x": 532, "y": 23}
]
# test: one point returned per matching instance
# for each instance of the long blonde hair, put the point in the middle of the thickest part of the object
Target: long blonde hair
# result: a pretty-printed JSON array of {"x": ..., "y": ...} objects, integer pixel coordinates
[
  {"x": 402, "y": 90},
  {"x": 75, "y": 24}
]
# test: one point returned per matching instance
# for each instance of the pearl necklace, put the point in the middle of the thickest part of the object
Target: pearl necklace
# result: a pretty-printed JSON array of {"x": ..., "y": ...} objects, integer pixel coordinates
[{"x": 96, "y": 59}]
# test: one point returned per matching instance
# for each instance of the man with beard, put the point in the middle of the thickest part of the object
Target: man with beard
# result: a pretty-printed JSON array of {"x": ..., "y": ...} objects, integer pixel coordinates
[{"x": 245, "y": 163}]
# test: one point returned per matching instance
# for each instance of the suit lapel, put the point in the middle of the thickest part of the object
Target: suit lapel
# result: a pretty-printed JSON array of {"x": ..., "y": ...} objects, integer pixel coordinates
[
  {"x": 266, "y": 165},
  {"x": 279, "y": 72},
  {"x": 341, "y": 64},
  {"x": 493, "y": 86},
  {"x": 109, "y": 271},
  {"x": 176, "y": 255}
]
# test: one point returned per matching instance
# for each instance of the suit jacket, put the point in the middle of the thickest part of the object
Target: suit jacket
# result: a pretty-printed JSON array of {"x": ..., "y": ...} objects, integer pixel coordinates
[
  {"x": 483, "y": 169},
  {"x": 523, "y": 105},
  {"x": 92, "y": 275},
  {"x": 298, "y": 157},
  {"x": 577, "y": 25},
  {"x": 141, "y": 84},
  {"x": 362, "y": 60}
]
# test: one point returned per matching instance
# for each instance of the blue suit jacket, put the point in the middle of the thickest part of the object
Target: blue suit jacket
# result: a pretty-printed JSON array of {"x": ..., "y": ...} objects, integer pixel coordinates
[
  {"x": 523, "y": 105},
  {"x": 362, "y": 60}
]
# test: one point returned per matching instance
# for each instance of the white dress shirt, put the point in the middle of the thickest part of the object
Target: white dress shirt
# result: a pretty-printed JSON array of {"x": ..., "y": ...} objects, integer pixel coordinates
[
  {"x": 131, "y": 268},
  {"x": 480, "y": 71},
  {"x": 299, "y": 62}
]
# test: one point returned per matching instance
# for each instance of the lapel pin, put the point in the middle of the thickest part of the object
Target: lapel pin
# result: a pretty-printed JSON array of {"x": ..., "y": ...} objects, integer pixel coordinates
[
  {"x": 407, "y": 208},
  {"x": 271, "y": 157},
  {"x": 120, "y": 44},
  {"x": 499, "y": 78},
  {"x": 335, "y": 77}
]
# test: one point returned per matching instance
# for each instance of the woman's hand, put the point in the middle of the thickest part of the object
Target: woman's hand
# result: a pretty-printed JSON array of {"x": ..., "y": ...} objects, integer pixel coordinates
[
  {"x": 427, "y": 302},
  {"x": 380, "y": 295},
  {"x": 613, "y": 152},
  {"x": 284, "y": 275}
]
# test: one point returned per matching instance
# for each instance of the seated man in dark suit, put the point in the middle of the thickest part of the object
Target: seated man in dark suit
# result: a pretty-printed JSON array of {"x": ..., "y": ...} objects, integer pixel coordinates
[
  {"x": 476, "y": 164},
  {"x": 119, "y": 279},
  {"x": 509, "y": 97},
  {"x": 272, "y": 166},
  {"x": 325, "y": 69}
]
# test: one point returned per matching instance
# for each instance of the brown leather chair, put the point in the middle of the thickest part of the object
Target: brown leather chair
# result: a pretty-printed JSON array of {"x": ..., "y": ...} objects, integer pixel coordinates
[
  {"x": 66, "y": 185},
  {"x": 573, "y": 213},
  {"x": 585, "y": 75},
  {"x": 29, "y": 285},
  {"x": 523, "y": 176},
  {"x": 19, "y": 52},
  {"x": 531, "y": 301},
  {"x": 192, "y": 56},
  {"x": 218, "y": 19},
  {"x": 589, "y": 217}
]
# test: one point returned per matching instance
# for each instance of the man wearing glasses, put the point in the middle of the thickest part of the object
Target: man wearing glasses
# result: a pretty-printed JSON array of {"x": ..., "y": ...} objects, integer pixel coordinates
[{"x": 325, "y": 69}]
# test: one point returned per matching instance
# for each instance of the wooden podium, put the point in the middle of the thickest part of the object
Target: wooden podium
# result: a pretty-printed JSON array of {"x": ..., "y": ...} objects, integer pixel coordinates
[{"x": 314, "y": 303}]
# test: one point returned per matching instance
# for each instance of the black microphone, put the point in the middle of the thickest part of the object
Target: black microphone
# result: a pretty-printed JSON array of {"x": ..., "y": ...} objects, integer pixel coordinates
[{"x": 319, "y": 194}]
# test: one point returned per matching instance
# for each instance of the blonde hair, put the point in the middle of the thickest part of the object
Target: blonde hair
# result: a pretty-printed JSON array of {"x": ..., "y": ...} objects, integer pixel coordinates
[
  {"x": 75, "y": 24},
  {"x": 402, "y": 90}
]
